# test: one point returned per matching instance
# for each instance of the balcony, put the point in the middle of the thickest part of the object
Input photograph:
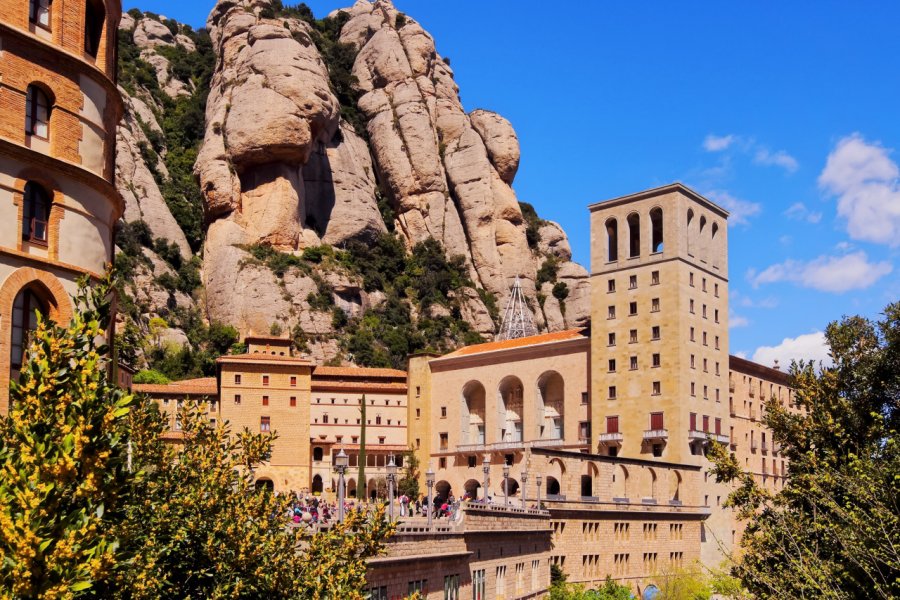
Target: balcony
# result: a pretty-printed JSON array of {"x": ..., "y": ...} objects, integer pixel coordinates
[
  {"x": 695, "y": 435},
  {"x": 734, "y": 444},
  {"x": 497, "y": 446},
  {"x": 656, "y": 435},
  {"x": 753, "y": 446},
  {"x": 612, "y": 438},
  {"x": 752, "y": 393},
  {"x": 764, "y": 449},
  {"x": 731, "y": 386}
]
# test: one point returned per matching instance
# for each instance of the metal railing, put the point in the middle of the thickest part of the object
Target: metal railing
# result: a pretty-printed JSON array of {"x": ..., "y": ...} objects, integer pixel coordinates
[{"x": 656, "y": 434}]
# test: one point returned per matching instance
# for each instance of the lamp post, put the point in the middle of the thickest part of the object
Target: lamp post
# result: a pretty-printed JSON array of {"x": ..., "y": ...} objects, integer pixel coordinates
[
  {"x": 391, "y": 479},
  {"x": 539, "y": 480},
  {"x": 486, "y": 469},
  {"x": 525, "y": 488},
  {"x": 429, "y": 482},
  {"x": 341, "y": 461},
  {"x": 506, "y": 485}
]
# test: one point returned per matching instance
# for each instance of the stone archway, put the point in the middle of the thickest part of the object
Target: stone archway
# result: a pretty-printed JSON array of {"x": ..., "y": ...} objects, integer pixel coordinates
[{"x": 51, "y": 292}]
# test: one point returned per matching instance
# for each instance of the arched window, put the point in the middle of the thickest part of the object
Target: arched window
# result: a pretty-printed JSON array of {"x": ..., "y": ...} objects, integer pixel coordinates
[
  {"x": 656, "y": 223},
  {"x": 39, "y": 12},
  {"x": 35, "y": 213},
  {"x": 37, "y": 112},
  {"x": 612, "y": 240},
  {"x": 94, "y": 16},
  {"x": 690, "y": 234},
  {"x": 634, "y": 235},
  {"x": 24, "y": 320}
]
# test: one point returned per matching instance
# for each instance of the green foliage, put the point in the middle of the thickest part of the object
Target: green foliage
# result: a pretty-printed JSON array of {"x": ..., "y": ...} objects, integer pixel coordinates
[
  {"x": 547, "y": 272},
  {"x": 151, "y": 376},
  {"x": 387, "y": 334},
  {"x": 63, "y": 448},
  {"x": 833, "y": 530},
  {"x": 684, "y": 584},
  {"x": 275, "y": 328},
  {"x": 409, "y": 480},
  {"x": 315, "y": 254},
  {"x": 279, "y": 262},
  {"x": 533, "y": 223},
  {"x": 560, "y": 590},
  {"x": 182, "y": 120}
]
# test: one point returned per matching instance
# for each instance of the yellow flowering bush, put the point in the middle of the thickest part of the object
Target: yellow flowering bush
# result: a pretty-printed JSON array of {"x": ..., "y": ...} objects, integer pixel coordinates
[{"x": 63, "y": 451}]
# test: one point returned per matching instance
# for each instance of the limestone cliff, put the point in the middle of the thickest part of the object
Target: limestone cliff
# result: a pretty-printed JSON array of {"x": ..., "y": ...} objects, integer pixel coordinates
[{"x": 338, "y": 133}]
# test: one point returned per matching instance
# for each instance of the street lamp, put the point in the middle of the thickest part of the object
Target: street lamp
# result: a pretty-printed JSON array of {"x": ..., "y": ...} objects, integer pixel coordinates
[
  {"x": 429, "y": 482},
  {"x": 486, "y": 469},
  {"x": 539, "y": 480},
  {"x": 525, "y": 488},
  {"x": 341, "y": 461},
  {"x": 391, "y": 479},
  {"x": 506, "y": 485}
]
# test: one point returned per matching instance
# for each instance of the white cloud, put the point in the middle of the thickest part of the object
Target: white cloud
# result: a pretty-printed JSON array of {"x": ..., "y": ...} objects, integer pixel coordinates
[
  {"x": 740, "y": 210},
  {"x": 716, "y": 143},
  {"x": 735, "y": 322},
  {"x": 739, "y": 299},
  {"x": 810, "y": 346},
  {"x": 741, "y": 354},
  {"x": 779, "y": 158},
  {"x": 836, "y": 274},
  {"x": 867, "y": 184},
  {"x": 799, "y": 212}
]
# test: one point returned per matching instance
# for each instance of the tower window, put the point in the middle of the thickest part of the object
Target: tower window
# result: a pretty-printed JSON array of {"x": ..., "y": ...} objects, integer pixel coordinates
[
  {"x": 612, "y": 239},
  {"x": 656, "y": 360},
  {"x": 612, "y": 339},
  {"x": 612, "y": 392},
  {"x": 39, "y": 12},
  {"x": 611, "y": 286},
  {"x": 654, "y": 305},
  {"x": 654, "y": 332},
  {"x": 634, "y": 235},
  {"x": 632, "y": 282},
  {"x": 612, "y": 365},
  {"x": 37, "y": 112},
  {"x": 632, "y": 336},
  {"x": 657, "y": 388},
  {"x": 94, "y": 17},
  {"x": 632, "y": 308},
  {"x": 654, "y": 278},
  {"x": 656, "y": 225},
  {"x": 35, "y": 213},
  {"x": 634, "y": 363},
  {"x": 611, "y": 312}
]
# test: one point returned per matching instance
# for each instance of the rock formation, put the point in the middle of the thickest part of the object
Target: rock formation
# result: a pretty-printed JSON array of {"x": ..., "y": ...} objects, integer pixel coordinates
[
  {"x": 283, "y": 164},
  {"x": 278, "y": 165}
]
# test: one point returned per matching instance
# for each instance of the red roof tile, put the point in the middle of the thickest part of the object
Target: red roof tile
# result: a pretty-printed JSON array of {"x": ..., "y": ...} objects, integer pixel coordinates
[
  {"x": 324, "y": 371},
  {"x": 202, "y": 386},
  {"x": 534, "y": 340}
]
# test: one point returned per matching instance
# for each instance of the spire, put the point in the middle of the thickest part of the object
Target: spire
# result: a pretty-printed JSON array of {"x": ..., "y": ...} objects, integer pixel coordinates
[{"x": 517, "y": 319}]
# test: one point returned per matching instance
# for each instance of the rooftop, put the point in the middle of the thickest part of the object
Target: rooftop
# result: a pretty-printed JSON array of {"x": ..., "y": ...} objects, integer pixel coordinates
[
  {"x": 203, "y": 386},
  {"x": 263, "y": 357},
  {"x": 659, "y": 191},
  {"x": 322, "y": 371},
  {"x": 532, "y": 340}
]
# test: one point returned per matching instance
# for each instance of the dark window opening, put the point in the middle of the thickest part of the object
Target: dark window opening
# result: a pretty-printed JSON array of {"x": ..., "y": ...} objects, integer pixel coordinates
[
  {"x": 656, "y": 223},
  {"x": 94, "y": 17},
  {"x": 35, "y": 213}
]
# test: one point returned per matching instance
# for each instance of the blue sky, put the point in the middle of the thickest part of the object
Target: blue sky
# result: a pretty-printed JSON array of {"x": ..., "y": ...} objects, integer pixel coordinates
[{"x": 785, "y": 113}]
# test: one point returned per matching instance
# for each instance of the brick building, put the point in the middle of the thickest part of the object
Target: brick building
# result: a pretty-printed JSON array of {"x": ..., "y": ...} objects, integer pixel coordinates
[{"x": 58, "y": 111}]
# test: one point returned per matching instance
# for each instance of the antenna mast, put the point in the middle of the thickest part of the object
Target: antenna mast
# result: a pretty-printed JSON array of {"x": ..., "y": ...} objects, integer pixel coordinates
[{"x": 517, "y": 319}]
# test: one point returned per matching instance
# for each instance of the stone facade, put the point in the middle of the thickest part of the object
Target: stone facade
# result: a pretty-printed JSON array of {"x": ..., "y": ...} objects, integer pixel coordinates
[
  {"x": 58, "y": 111},
  {"x": 487, "y": 552}
]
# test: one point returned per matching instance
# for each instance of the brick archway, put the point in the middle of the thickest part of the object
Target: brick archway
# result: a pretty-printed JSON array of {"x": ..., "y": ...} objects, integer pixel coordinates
[{"x": 49, "y": 289}]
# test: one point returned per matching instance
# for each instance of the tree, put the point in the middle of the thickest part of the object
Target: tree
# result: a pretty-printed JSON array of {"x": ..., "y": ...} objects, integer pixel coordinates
[
  {"x": 63, "y": 448},
  {"x": 409, "y": 482},
  {"x": 94, "y": 503},
  {"x": 833, "y": 531},
  {"x": 199, "y": 527},
  {"x": 560, "y": 590}
]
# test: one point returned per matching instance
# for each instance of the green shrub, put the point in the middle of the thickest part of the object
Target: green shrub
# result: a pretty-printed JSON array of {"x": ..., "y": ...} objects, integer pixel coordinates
[
  {"x": 548, "y": 271},
  {"x": 151, "y": 376}
]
